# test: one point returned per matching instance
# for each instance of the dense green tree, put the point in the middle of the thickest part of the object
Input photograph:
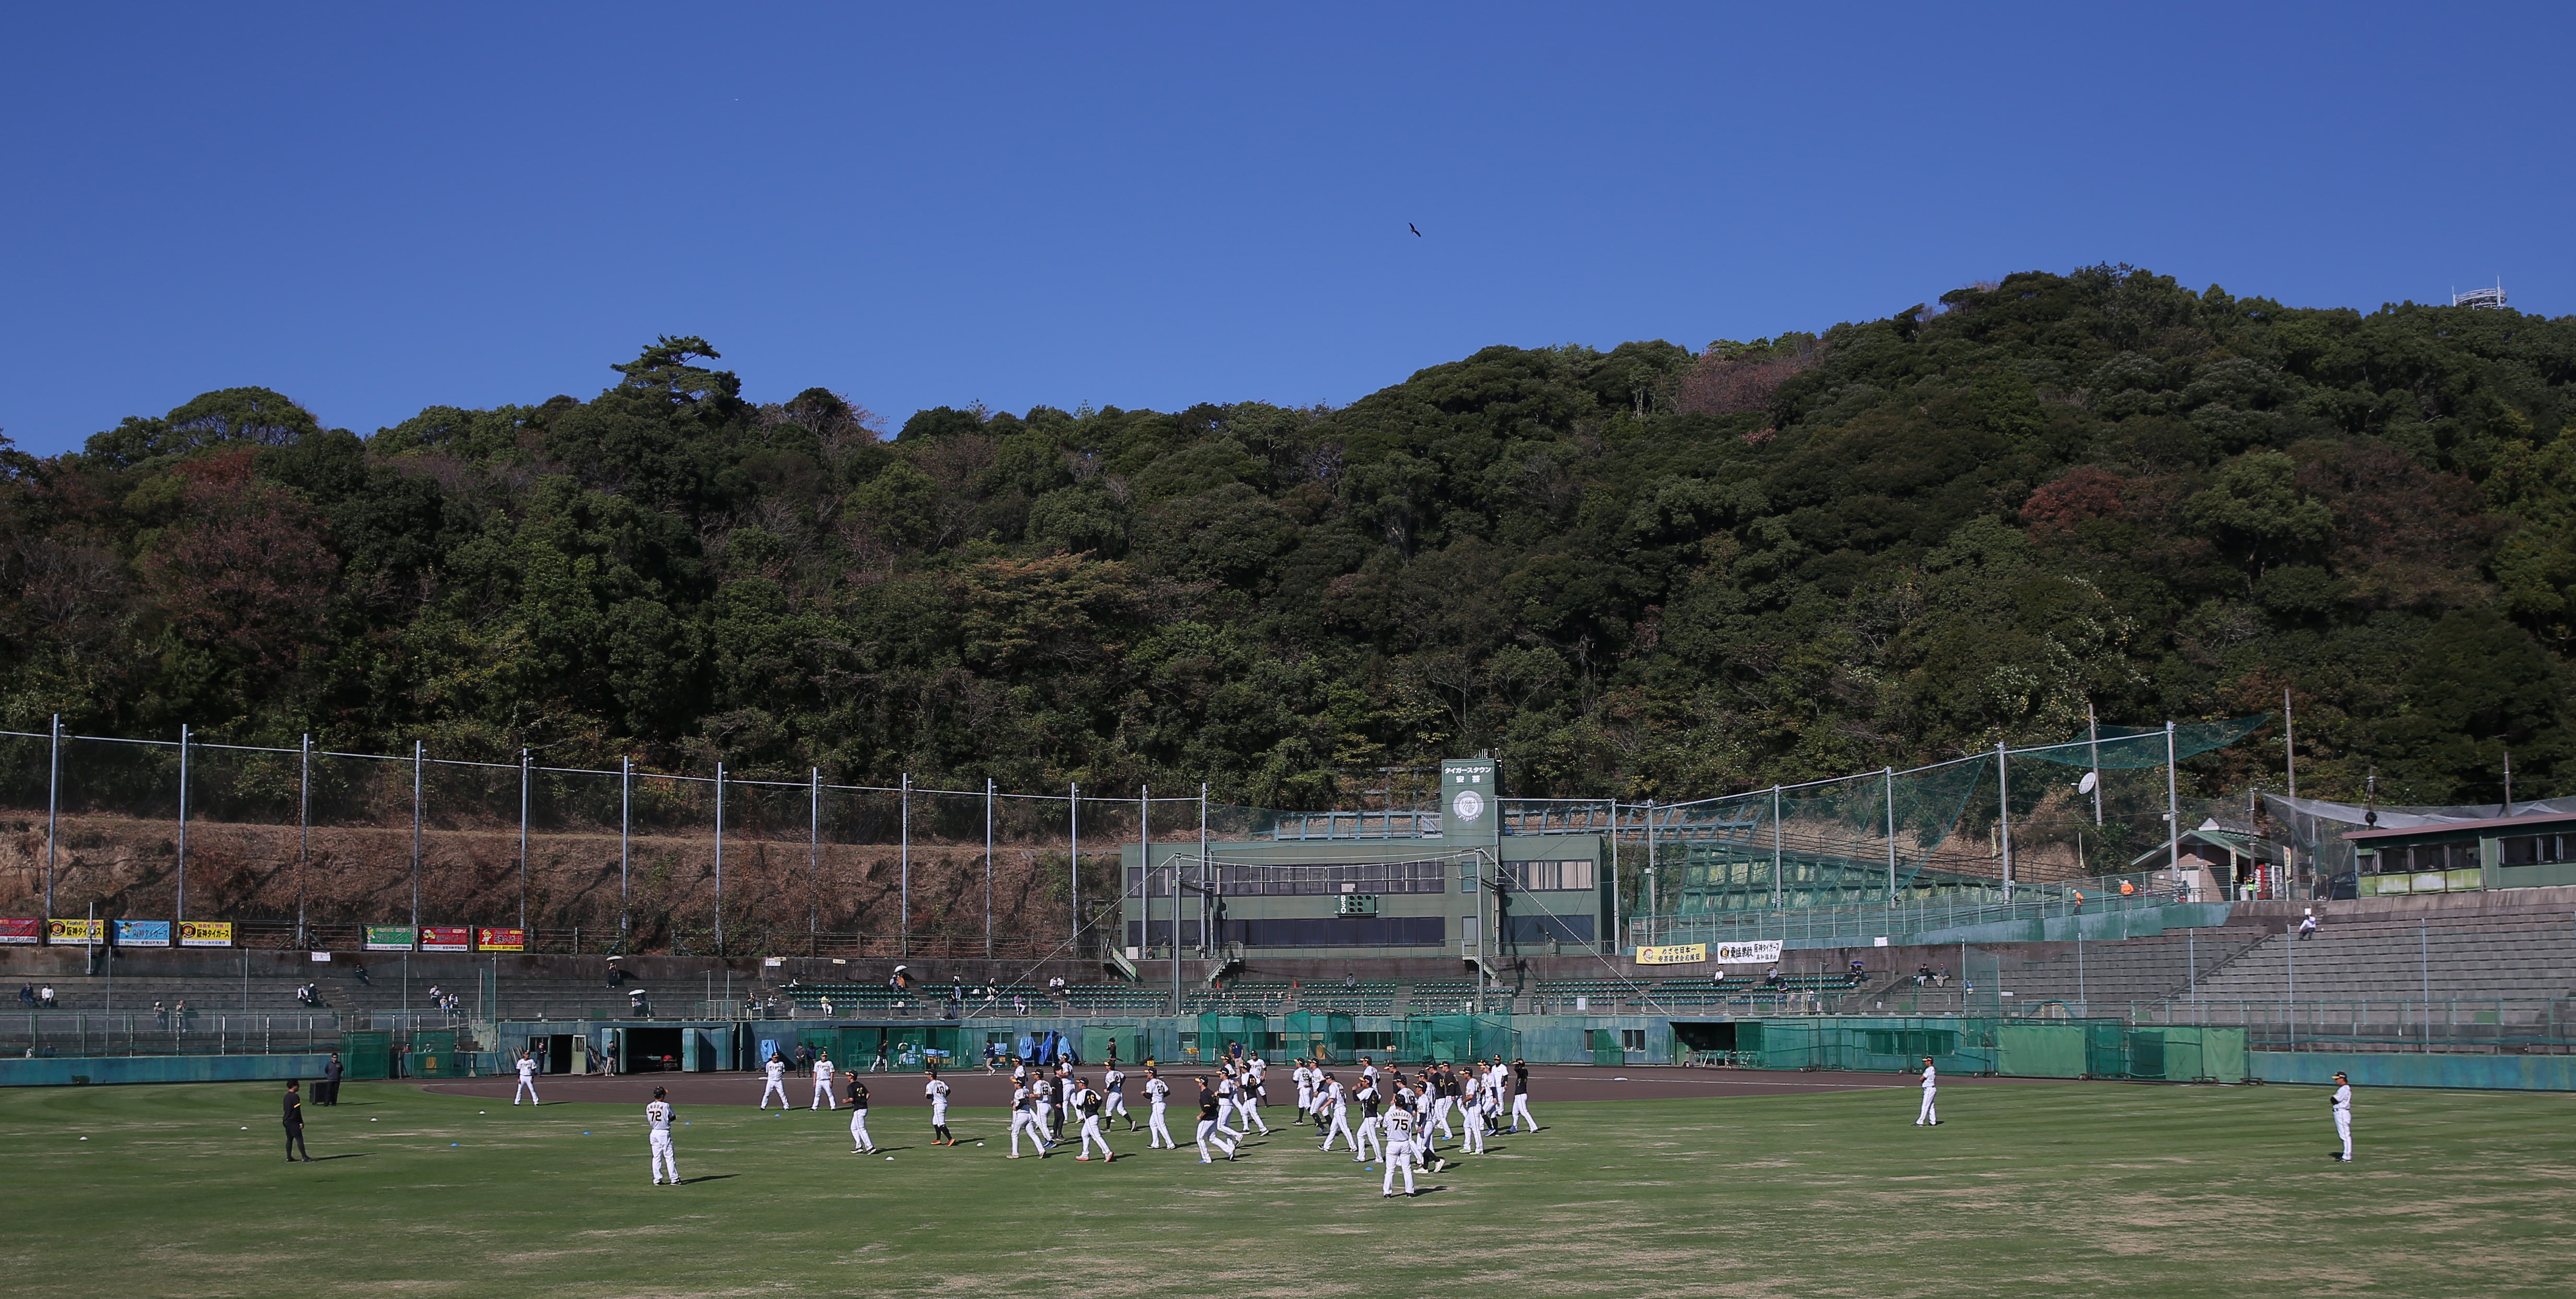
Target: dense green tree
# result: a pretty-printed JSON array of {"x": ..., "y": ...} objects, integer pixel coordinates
[{"x": 1651, "y": 569}]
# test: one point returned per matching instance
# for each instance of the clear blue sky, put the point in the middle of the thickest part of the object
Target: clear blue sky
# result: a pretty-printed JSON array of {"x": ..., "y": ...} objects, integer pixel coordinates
[{"x": 374, "y": 209}]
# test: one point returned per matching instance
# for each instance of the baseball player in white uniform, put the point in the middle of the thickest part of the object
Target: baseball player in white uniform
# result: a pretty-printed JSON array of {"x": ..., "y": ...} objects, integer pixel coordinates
[
  {"x": 775, "y": 1070},
  {"x": 1087, "y": 1103},
  {"x": 1158, "y": 1098},
  {"x": 1228, "y": 1099},
  {"x": 657, "y": 1116},
  {"x": 937, "y": 1090},
  {"x": 527, "y": 1080},
  {"x": 1928, "y": 1116},
  {"x": 1335, "y": 1108},
  {"x": 1471, "y": 1114},
  {"x": 1399, "y": 1150},
  {"x": 1247, "y": 1097},
  {"x": 1025, "y": 1117},
  {"x": 1114, "y": 1097},
  {"x": 823, "y": 1081},
  {"x": 2342, "y": 1103},
  {"x": 1305, "y": 1091}
]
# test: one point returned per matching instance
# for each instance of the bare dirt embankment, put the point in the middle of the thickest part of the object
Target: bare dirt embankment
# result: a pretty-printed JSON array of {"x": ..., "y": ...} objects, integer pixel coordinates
[{"x": 364, "y": 875}]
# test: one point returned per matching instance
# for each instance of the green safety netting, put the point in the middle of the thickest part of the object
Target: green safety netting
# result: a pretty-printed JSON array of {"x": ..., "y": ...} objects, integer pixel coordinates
[{"x": 2007, "y": 829}]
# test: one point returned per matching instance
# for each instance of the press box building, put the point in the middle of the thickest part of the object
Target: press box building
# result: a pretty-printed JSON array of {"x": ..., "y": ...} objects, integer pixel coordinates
[{"x": 1465, "y": 880}]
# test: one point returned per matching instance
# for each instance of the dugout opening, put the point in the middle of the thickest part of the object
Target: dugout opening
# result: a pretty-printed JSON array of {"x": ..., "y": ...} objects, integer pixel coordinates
[
  {"x": 1705, "y": 1036},
  {"x": 652, "y": 1050}
]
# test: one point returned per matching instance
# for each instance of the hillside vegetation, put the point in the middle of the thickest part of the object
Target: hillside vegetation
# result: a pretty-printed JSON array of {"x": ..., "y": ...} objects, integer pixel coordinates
[{"x": 1650, "y": 570}]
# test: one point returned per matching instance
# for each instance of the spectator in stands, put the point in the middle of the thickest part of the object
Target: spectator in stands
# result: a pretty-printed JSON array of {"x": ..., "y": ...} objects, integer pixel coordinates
[
  {"x": 827, "y": 1005},
  {"x": 1019, "y": 1004},
  {"x": 45, "y": 997},
  {"x": 1922, "y": 974},
  {"x": 160, "y": 1014},
  {"x": 305, "y": 996},
  {"x": 358, "y": 971},
  {"x": 635, "y": 1002},
  {"x": 27, "y": 995},
  {"x": 1772, "y": 980},
  {"x": 179, "y": 1014},
  {"x": 1859, "y": 968},
  {"x": 2308, "y": 925},
  {"x": 1940, "y": 976}
]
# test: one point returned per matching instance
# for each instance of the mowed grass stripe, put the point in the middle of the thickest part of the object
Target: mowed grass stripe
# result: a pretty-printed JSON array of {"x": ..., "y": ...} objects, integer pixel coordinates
[{"x": 2036, "y": 1189}]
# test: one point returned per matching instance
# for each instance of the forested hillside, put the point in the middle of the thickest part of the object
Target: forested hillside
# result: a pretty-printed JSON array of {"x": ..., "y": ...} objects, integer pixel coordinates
[{"x": 1651, "y": 570}]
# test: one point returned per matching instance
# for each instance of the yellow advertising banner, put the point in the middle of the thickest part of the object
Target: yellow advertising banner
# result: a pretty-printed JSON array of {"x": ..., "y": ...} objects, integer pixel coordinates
[
  {"x": 205, "y": 933},
  {"x": 75, "y": 931},
  {"x": 1684, "y": 954}
]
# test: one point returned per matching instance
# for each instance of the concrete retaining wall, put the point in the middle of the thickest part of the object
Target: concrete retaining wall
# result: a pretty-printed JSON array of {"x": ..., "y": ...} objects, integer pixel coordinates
[
  {"x": 2552, "y": 1073},
  {"x": 102, "y": 1070}
]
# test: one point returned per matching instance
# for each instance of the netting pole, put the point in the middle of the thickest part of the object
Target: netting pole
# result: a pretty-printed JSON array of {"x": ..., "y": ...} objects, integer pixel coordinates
[
  {"x": 1073, "y": 843},
  {"x": 814, "y": 860},
  {"x": 1176, "y": 900},
  {"x": 53, "y": 805},
  {"x": 988, "y": 869},
  {"x": 1775, "y": 848},
  {"x": 1628, "y": 925},
  {"x": 1144, "y": 837},
  {"x": 523, "y": 845},
  {"x": 1888, "y": 774},
  {"x": 180, "y": 907},
  {"x": 2093, "y": 734},
  {"x": 719, "y": 859},
  {"x": 2003, "y": 816},
  {"x": 625, "y": 824},
  {"x": 303, "y": 835},
  {"x": 903, "y": 870},
  {"x": 1654, "y": 890},
  {"x": 2173, "y": 808},
  {"x": 417, "y": 763}
]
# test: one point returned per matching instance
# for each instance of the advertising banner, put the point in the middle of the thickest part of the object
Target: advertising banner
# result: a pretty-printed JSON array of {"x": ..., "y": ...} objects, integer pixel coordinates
[
  {"x": 205, "y": 933},
  {"x": 75, "y": 931},
  {"x": 1748, "y": 953},
  {"x": 446, "y": 938},
  {"x": 143, "y": 933},
  {"x": 488, "y": 939},
  {"x": 1683, "y": 954},
  {"x": 389, "y": 938},
  {"x": 22, "y": 931}
]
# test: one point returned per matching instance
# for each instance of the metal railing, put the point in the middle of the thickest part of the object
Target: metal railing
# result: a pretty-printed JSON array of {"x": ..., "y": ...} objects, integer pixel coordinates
[{"x": 85, "y": 1033}]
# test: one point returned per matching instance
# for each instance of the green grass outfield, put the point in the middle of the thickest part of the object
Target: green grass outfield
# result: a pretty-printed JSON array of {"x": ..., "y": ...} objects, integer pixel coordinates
[{"x": 2041, "y": 1189}]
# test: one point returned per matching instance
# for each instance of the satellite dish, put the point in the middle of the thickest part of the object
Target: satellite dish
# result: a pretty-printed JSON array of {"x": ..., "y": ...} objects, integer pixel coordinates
[{"x": 2085, "y": 786}]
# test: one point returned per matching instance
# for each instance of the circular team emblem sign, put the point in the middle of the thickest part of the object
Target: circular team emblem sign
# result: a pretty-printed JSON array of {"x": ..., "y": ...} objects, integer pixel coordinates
[{"x": 1470, "y": 805}]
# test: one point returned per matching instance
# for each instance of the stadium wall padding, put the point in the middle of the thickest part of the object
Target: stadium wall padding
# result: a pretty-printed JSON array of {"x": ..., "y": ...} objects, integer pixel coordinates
[
  {"x": 105, "y": 1070},
  {"x": 2550, "y": 1073}
]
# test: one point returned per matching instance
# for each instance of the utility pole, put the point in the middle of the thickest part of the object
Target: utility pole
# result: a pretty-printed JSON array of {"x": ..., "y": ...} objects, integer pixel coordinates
[
  {"x": 53, "y": 804},
  {"x": 181, "y": 908},
  {"x": 2003, "y": 816}
]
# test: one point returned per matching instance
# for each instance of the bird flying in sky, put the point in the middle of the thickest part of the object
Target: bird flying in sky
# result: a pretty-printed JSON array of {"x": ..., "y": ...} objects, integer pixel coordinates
[{"x": 1417, "y": 230}]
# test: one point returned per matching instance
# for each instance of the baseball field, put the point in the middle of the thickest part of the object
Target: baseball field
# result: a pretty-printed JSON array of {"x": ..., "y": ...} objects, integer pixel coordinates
[{"x": 2029, "y": 1189}]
